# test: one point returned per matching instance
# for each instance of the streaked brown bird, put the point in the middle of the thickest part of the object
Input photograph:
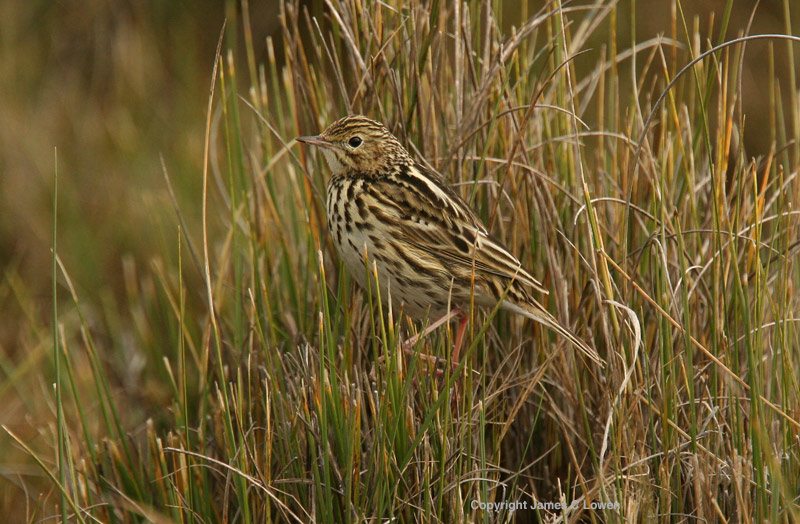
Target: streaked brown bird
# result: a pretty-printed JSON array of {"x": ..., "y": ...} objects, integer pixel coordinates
[{"x": 428, "y": 243}]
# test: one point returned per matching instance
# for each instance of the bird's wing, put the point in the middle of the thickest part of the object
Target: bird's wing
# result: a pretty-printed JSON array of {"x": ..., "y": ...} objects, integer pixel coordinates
[{"x": 439, "y": 222}]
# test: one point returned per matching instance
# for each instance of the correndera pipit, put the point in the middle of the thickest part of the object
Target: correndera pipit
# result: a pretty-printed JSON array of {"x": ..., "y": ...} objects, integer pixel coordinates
[{"x": 431, "y": 249}]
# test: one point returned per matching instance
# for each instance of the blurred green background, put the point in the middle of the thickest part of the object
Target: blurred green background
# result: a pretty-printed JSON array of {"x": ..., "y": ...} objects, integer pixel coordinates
[{"x": 115, "y": 85}]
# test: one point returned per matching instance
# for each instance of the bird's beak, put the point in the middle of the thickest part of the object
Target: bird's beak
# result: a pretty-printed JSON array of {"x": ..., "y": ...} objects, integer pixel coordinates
[{"x": 314, "y": 141}]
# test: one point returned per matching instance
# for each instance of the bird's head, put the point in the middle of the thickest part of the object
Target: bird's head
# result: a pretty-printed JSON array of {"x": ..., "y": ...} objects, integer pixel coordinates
[{"x": 357, "y": 145}]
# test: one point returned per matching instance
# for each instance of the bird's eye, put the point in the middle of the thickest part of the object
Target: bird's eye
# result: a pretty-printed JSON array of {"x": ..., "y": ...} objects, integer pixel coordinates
[{"x": 354, "y": 142}]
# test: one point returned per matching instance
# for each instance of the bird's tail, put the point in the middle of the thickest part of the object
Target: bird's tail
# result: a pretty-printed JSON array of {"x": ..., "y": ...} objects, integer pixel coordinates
[{"x": 536, "y": 312}]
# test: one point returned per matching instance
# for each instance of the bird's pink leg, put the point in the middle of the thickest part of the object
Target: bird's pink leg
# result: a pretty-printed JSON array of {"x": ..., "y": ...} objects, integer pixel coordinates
[
  {"x": 463, "y": 320},
  {"x": 410, "y": 343}
]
